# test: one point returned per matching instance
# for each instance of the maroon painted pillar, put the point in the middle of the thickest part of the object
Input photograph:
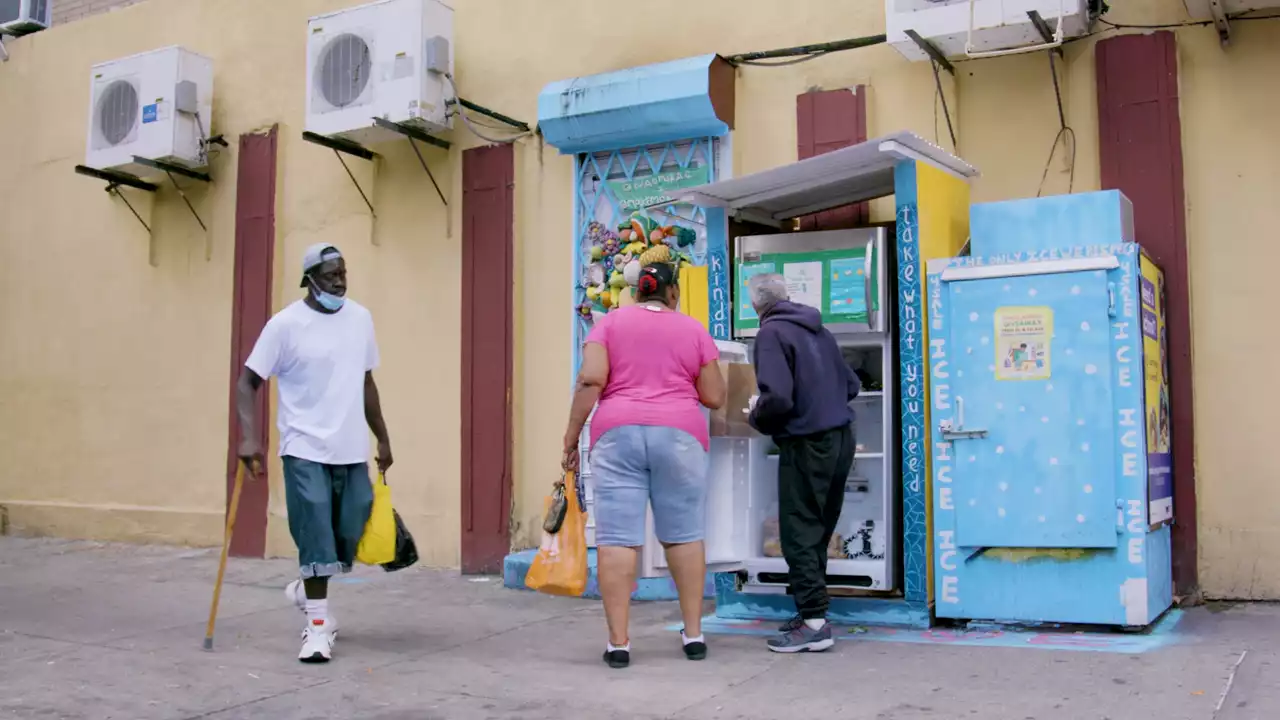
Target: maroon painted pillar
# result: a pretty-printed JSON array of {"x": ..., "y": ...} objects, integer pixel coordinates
[
  {"x": 250, "y": 310},
  {"x": 1140, "y": 148},
  {"x": 488, "y": 226}
]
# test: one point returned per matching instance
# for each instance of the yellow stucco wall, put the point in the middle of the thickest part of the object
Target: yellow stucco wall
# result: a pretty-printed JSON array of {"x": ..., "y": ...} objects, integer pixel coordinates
[
  {"x": 113, "y": 354},
  {"x": 509, "y": 78}
]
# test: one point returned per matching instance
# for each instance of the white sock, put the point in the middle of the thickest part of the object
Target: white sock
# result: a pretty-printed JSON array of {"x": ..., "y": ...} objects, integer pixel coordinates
[
  {"x": 611, "y": 647},
  {"x": 317, "y": 610},
  {"x": 688, "y": 639},
  {"x": 815, "y": 623}
]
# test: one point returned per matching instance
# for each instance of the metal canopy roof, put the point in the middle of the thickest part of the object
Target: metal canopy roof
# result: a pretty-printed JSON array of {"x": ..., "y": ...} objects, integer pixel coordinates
[{"x": 849, "y": 175}]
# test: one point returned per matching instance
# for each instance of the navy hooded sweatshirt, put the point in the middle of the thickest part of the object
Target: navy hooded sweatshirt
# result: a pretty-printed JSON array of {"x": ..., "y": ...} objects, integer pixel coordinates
[{"x": 805, "y": 385}]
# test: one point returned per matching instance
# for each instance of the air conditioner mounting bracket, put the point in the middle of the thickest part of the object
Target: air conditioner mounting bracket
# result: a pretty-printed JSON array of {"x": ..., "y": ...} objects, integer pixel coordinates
[
  {"x": 341, "y": 147},
  {"x": 116, "y": 180},
  {"x": 932, "y": 51},
  {"x": 171, "y": 169}
]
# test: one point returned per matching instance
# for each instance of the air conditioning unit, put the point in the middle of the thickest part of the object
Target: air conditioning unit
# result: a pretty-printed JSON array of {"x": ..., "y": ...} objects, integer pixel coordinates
[
  {"x": 157, "y": 106},
  {"x": 977, "y": 28},
  {"x": 20, "y": 17},
  {"x": 383, "y": 60}
]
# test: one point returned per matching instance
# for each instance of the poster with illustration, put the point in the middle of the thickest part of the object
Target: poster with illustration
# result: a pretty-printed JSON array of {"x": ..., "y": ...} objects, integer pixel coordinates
[
  {"x": 1022, "y": 343},
  {"x": 847, "y": 289},
  {"x": 745, "y": 273},
  {"x": 1155, "y": 356}
]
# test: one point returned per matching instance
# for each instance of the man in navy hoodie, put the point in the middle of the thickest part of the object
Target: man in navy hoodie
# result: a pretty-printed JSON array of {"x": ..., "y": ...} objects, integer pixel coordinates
[{"x": 805, "y": 390}]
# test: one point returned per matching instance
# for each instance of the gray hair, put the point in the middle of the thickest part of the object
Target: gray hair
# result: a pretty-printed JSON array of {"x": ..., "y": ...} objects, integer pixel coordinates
[{"x": 766, "y": 289}]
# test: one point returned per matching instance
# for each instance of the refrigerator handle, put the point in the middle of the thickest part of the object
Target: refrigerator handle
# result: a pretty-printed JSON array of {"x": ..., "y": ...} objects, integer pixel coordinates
[{"x": 868, "y": 266}]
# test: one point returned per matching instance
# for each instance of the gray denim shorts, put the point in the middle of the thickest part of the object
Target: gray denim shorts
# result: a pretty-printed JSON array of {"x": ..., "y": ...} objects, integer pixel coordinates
[
  {"x": 636, "y": 465},
  {"x": 328, "y": 508}
]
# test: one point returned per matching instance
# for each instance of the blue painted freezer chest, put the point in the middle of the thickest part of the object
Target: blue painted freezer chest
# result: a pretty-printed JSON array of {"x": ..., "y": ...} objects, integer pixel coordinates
[{"x": 1040, "y": 455}]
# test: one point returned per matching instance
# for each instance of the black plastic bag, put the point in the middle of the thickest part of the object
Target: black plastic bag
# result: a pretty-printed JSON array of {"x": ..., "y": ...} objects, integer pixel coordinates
[
  {"x": 556, "y": 511},
  {"x": 406, "y": 550}
]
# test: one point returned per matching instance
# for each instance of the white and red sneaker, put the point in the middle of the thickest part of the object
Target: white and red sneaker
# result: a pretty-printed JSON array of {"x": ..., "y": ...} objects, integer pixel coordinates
[
  {"x": 298, "y": 596},
  {"x": 317, "y": 642}
]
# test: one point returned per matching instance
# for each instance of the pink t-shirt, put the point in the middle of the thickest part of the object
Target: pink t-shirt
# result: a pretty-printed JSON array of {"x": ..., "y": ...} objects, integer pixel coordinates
[{"x": 654, "y": 360}]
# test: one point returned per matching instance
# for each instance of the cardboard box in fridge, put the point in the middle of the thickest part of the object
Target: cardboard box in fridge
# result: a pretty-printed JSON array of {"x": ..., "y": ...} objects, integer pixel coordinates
[{"x": 731, "y": 420}]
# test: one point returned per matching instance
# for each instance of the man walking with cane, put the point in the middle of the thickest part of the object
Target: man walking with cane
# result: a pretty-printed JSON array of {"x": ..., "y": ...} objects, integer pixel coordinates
[
  {"x": 322, "y": 351},
  {"x": 805, "y": 389}
]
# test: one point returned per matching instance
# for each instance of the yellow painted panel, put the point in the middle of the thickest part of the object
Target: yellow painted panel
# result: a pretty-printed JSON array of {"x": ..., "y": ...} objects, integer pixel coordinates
[
  {"x": 942, "y": 209},
  {"x": 693, "y": 293}
]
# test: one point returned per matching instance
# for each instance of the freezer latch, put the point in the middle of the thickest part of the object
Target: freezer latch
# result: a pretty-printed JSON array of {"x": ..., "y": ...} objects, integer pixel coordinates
[
  {"x": 951, "y": 432},
  {"x": 956, "y": 430}
]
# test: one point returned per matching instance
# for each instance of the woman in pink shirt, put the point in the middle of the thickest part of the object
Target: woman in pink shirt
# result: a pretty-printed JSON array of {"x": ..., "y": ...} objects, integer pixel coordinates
[{"x": 652, "y": 370}]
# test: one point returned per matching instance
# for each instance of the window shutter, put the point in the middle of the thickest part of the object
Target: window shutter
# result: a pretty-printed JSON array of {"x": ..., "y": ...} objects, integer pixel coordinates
[{"x": 825, "y": 121}]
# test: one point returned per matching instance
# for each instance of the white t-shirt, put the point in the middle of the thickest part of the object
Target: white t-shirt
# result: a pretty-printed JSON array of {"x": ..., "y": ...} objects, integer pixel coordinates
[{"x": 319, "y": 361}]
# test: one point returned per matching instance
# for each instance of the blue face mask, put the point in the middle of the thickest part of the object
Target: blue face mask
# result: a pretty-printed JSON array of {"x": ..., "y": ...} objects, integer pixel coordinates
[{"x": 328, "y": 301}]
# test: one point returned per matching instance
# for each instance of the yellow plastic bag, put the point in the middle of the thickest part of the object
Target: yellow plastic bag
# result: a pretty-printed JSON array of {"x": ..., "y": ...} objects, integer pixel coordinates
[
  {"x": 378, "y": 544},
  {"x": 561, "y": 565}
]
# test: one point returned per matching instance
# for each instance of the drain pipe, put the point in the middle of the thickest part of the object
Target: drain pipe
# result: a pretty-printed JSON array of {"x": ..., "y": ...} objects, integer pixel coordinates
[{"x": 803, "y": 50}]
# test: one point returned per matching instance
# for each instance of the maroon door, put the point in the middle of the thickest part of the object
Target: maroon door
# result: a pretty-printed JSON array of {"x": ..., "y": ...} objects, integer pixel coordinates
[
  {"x": 488, "y": 182},
  {"x": 250, "y": 310},
  {"x": 825, "y": 121},
  {"x": 1140, "y": 149}
]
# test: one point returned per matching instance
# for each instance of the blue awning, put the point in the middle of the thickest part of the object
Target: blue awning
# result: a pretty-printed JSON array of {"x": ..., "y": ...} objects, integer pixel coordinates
[{"x": 657, "y": 103}]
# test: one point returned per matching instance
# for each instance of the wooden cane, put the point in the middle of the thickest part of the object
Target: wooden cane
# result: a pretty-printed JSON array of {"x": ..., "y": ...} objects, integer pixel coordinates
[{"x": 226, "y": 546}]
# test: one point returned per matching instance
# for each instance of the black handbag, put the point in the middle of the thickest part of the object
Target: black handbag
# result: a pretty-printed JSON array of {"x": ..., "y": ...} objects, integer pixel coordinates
[
  {"x": 556, "y": 511},
  {"x": 406, "y": 549}
]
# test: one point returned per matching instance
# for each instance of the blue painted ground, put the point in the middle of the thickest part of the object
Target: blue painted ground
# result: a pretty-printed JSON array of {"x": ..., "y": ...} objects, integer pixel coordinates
[{"x": 1159, "y": 636}]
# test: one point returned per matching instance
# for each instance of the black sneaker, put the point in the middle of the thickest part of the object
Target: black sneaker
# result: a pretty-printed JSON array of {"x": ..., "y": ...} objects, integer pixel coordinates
[
  {"x": 694, "y": 650},
  {"x": 617, "y": 659},
  {"x": 803, "y": 639},
  {"x": 793, "y": 624}
]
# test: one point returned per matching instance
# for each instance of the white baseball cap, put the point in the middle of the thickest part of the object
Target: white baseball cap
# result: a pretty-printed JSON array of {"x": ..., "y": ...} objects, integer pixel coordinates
[{"x": 317, "y": 255}]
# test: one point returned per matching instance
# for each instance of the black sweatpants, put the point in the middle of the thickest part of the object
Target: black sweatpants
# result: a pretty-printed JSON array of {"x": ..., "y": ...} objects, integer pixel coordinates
[{"x": 812, "y": 473}]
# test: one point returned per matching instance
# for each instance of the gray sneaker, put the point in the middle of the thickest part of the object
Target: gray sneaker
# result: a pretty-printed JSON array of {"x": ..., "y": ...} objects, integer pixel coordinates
[
  {"x": 803, "y": 639},
  {"x": 791, "y": 624}
]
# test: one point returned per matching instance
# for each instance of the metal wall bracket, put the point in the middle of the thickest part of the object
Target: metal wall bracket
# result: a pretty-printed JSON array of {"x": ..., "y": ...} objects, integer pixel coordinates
[
  {"x": 1046, "y": 33},
  {"x": 171, "y": 169},
  {"x": 413, "y": 134},
  {"x": 490, "y": 113},
  {"x": 932, "y": 51},
  {"x": 4, "y": 52},
  {"x": 1221, "y": 22},
  {"x": 342, "y": 147},
  {"x": 116, "y": 180}
]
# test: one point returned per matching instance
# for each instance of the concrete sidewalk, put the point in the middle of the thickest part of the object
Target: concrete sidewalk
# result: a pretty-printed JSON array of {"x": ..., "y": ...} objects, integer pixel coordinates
[{"x": 97, "y": 631}]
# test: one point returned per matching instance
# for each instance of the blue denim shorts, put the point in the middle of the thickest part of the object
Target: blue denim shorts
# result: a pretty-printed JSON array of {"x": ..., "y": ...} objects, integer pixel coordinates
[
  {"x": 635, "y": 465},
  {"x": 328, "y": 508}
]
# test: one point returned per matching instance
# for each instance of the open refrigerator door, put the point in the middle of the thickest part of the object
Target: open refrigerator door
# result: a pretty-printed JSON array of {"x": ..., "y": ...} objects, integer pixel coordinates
[{"x": 736, "y": 464}]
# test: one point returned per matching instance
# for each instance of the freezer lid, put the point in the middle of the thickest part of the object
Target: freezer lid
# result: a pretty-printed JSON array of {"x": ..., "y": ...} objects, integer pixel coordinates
[{"x": 841, "y": 177}]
